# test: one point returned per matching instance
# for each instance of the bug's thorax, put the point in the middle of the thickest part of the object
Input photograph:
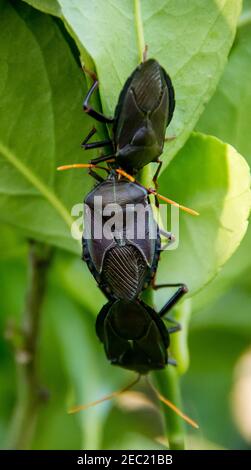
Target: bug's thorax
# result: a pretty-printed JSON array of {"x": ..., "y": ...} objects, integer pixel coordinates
[{"x": 117, "y": 191}]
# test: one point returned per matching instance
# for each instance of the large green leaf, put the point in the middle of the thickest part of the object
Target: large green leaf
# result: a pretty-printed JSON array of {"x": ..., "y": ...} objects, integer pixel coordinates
[
  {"x": 47, "y": 6},
  {"x": 228, "y": 116},
  {"x": 229, "y": 112},
  {"x": 190, "y": 39},
  {"x": 216, "y": 182},
  {"x": 41, "y": 125},
  {"x": 34, "y": 138}
]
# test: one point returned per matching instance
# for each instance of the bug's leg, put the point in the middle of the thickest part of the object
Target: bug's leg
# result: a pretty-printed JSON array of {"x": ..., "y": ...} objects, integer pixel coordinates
[
  {"x": 96, "y": 176},
  {"x": 171, "y": 361},
  {"x": 94, "y": 145},
  {"x": 89, "y": 110},
  {"x": 156, "y": 174},
  {"x": 173, "y": 329},
  {"x": 170, "y": 237},
  {"x": 89, "y": 135},
  {"x": 102, "y": 158},
  {"x": 182, "y": 290}
]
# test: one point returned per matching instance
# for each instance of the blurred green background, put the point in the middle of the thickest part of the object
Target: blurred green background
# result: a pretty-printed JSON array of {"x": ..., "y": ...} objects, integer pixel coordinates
[{"x": 216, "y": 388}]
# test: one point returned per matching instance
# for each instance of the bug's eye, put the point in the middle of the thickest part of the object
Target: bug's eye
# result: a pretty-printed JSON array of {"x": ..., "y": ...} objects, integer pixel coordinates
[{"x": 143, "y": 137}]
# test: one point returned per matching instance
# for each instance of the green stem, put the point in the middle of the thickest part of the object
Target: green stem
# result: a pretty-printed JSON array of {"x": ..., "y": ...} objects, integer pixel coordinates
[
  {"x": 25, "y": 342},
  {"x": 179, "y": 343},
  {"x": 139, "y": 29},
  {"x": 168, "y": 380},
  {"x": 168, "y": 384}
]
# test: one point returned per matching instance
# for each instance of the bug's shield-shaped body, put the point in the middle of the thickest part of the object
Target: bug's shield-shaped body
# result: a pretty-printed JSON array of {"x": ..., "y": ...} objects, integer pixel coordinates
[
  {"x": 134, "y": 336},
  {"x": 144, "y": 110},
  {"x": 121, "y": 240}
]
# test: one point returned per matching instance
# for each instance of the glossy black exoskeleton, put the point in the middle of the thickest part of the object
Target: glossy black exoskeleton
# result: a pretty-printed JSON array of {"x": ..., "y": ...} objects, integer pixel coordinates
[
  {"x": 134, "y": 335},
  {"x": 123, "y": 257},
  {"x": 124, "y": 264},
  {"x": 144, "y": 110}
]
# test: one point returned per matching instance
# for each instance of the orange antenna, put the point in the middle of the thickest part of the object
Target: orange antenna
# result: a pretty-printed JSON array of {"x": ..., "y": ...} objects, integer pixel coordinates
[
  {"x": 80, "y": 165},
  {"x": 112, "y": 395},
  {"x": 152, "y": 191},
  {"x": 172, "y": 406}
]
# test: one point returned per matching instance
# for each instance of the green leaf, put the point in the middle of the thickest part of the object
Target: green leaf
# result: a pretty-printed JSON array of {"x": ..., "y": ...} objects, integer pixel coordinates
[
  {"x": 228, "y": 116},
  {"x": 229, "y": 112},
  {"x": 211, "y": 177},
  {"x": 230, "y": 312},
  {"x": 41, "y": 126},
  {"x": 34, "y": 137},
  {"x": 47, "y": 6},
  {"x": 190, "y": 39}
]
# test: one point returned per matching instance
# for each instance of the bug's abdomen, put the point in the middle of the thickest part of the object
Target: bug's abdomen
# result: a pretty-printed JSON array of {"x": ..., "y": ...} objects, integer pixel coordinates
[{"x": 124, "y": 271}]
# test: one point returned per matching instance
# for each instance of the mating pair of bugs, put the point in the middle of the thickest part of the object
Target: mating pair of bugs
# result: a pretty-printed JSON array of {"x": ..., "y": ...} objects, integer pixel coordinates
[{"x": 133, "y": 333}]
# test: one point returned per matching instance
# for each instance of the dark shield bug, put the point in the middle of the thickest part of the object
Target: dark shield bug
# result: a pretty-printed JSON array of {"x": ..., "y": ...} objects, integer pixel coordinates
[
  {"x": 134, "y": 335},
  {"x": 121, "y": 240},
  {"x": 145, "y": 108},
  {"x": 124, "y": 262}
]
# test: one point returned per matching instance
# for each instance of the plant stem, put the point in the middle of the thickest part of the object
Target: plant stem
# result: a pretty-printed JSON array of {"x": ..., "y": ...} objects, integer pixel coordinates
[
  {"x": 179, "y": 343},
  {"x": 168, "y": 380},
  {"x": 25, "y": 342},
  {"x": 139, "y": 29},
  {"x": 168, "y": 383}
]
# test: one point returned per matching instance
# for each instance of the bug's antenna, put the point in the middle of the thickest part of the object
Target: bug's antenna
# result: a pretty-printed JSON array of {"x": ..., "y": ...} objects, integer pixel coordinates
[
  {"x": 172, "y": 406},
  {"x": 112, "y": 395},
  {"x": 154, "y": 192},
  {"x": 81, "y": 165}
]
